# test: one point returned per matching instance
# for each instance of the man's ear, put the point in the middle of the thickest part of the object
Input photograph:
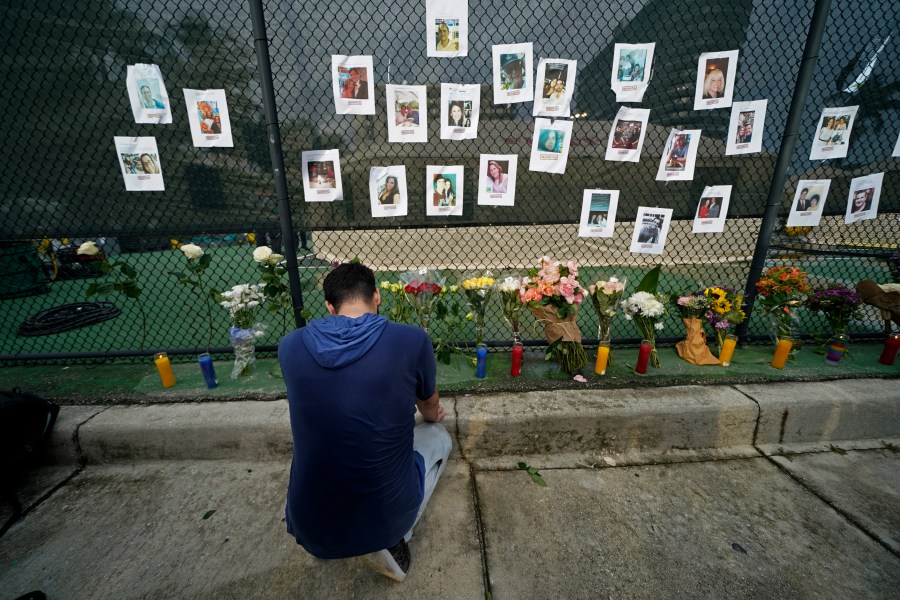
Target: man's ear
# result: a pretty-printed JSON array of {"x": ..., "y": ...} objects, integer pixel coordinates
[
  {"x": 377, "y": 297},
  {"x": 330, "y": 307}
]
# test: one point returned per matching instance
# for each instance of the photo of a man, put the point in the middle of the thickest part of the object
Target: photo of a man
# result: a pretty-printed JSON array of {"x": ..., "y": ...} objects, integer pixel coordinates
[
  {"x": 447, "y": 35},
  {"x": 803, "y": 200},
  {"x": 210, "y": 121},
  {"x": 631, "y": 65},
  {"x": 677, "y": 157},
  {"x": 512, "y": 76},
  {"x": 862, "y": 200},
  {"x": 627, "y": 134},
  {"x": 406, "y": 109},
  {"x": 651, "y": 225},
  {"x": 744, "y": 133},
  {"x": 354, "y": 83},
  {"x": 555, "y": 77},
  {"x": 147, "y": 88}
]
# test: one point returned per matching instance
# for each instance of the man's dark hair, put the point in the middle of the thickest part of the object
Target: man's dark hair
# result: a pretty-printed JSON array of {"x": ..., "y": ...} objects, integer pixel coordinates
[{"x": 347, "y": 282}]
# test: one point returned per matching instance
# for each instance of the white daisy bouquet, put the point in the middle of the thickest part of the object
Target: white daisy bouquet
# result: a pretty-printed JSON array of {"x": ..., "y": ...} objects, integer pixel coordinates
[
  {"x": 242, "y": 302},
  {"x": 508, "y": 292},
  {"x": 647, "y": 311}
]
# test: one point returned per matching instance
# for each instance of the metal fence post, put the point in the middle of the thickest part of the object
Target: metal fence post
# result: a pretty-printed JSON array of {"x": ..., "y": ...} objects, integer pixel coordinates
[
  {"x": 785, "y": 154},
  {"x": 276, "y": 154}
]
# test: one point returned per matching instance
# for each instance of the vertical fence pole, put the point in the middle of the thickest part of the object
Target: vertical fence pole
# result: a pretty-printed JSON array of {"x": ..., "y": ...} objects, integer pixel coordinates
[
  {"x": 277, "y": 156},
  {"x": 785, "y": 153}
]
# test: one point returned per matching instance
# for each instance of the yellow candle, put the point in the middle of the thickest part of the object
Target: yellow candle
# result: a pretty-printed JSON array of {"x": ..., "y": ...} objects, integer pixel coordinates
[
  {"x": 165, "y": 369},
  {"x": 727, "y": 350},
  {"x": 602, "y": 358},
  {"x": 781, "y": 352}
]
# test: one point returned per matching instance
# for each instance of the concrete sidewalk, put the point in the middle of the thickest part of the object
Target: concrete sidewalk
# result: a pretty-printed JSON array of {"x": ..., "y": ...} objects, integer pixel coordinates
[{"x": 785, "y": 490}]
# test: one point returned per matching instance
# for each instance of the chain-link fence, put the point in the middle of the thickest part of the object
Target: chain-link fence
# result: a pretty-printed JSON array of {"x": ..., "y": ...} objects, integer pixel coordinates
[{"x": 65, "y": 99}]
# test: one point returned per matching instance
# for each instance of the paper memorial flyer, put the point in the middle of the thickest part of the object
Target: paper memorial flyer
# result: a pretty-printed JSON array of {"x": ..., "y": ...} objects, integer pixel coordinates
[
  {"x": 631, "y": 71},
  {"x": 808, "y": 202},
  {"x": 598, "y": 213},
  {"x": 715, "y": 80},
  {"x": 140, "y": 164},
  {"x": 745, "y": 131},
  {"x": 459, "y": 111},
  {"x": 550, "y": 146},
  {"x": 444, "y": 191},
  {"x": 833, "y": 133},
  {"x": 388, "y": 193},
  {"x": 627, "y": 135},
  {"x": 322, "y": 176},
  {"x": 712, "y": 209},
  {"x": 147, "y": 93},
  {"x": 679, "y": 156},
  {"x": 207, "y": 112},
  {"x": 407, "y": 113},
  {"x": 353, "y": 84},
  {"x": 862, "y": 201},
  {"x": 513, "y": 68},
  {"x": 554, "y": 86},
  {"x": 896, "y": 152},
  {"x": 651, "y": 226},
  {"x": 497, "y": 179},
  {"x": 447, "y": 27}
]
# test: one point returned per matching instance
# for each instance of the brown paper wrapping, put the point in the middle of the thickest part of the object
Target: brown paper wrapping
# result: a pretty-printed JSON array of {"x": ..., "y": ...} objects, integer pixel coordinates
[
  {"x": 554, "y": 328},
  {"x": 693, "y": 348}
]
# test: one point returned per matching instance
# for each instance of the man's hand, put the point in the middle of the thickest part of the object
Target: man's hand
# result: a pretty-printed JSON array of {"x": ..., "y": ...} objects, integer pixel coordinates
[{"x": 431, "y": 409}]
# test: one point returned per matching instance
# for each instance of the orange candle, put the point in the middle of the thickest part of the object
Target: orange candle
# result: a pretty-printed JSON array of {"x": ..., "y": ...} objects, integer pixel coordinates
[
  {"x": 727, "y": 350},
  {"x": 781, "y": 352},
  {"x": 602, "y": 358},
  {"x": 165, "y": 369}
]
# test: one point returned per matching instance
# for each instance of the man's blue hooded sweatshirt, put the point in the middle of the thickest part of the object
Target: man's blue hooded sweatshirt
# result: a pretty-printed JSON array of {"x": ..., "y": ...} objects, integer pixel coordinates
[{"x": 352, "y": 385}]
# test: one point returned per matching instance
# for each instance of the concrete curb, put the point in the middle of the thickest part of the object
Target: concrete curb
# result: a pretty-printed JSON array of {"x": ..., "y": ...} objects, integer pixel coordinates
[{"x": 631, "y": 426}]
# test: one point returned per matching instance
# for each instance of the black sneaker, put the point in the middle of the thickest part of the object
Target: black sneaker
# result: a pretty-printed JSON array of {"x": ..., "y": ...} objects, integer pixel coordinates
[{"x": 392, "y": 562}]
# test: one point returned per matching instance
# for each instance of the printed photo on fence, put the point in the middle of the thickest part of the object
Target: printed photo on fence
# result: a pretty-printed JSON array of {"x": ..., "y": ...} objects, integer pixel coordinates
[
  {"x": 554, "y": 86},
  {"x": 627, "y": 136},
  {"x": 631, "y": 71},
  {"x": 407, "y": 113},
  {"x": 444, "y": 191},
  {"x": 147, "y": 94},
  {"x": 598, "y": 213},
  {"x": 207, "y": 112},
  {"x": 388, "y": 191},
  {"x": 862, "y": 201},
  {"x": 808, "y": 202},
  {"x": 447, "y": 27},
  {"x": 651, "y": 226},
  {"x": 140, "y": 164},
  {"x": 712, "y": 209},
  {"x": 745, "y": 130},
  {"x": 833, "y": 133},
  {"x": 322, "y": 176},
  {"x": 679, "y": 156},
  {"x": 513, "y": 66},
  {"x": 715, "y": 80},
  {"x": 550, "y": 146},
  {"x": 353, "y": 84},
  {"x": 896, "y": 152},
  {"x": 459, "y": 111},
  {"x": 497, "y": 179}
]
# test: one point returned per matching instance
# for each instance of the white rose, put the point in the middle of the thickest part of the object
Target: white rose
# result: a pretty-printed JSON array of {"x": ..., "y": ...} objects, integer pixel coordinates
[
  {"x": 192, "y": 251},
  {"x": 88, "y": 248},
  {"x": 274, "y": 259},
  {"x": 262, "y": 254}
]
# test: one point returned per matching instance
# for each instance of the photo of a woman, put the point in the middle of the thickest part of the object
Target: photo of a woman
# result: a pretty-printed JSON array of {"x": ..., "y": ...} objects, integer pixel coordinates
[
  {"x": 827, "y": 131},
  {"x": 550, "y": 140},
  {"x": 497, "y": 179},
  {"x": 714, "y": 84},
  {"x": 456, "y": 116},
  {"x": 703, "y": 211},
  {"x": 391, "y": 192},
  {"x": 449, "y": 197}
]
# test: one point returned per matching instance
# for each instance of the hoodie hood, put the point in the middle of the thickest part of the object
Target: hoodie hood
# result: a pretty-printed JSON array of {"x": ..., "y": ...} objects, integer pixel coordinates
[{"x": 337, "y": 341}]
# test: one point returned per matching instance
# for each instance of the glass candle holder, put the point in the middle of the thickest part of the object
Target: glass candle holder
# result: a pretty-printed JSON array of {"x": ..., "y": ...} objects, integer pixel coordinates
[
  {"x": 208, "y": 370},
  {"x": 164, "y": 368},
  {"x": 481, "y": 361},
  {"x": 891, "y": 345},
  {"x": 516, "y": 369},
  {"x": 728, "y": 349},
  {"x": 836, "y": 349},
  {"x": 602, "y": 358},
  {"x": 782, "y": 351},
  {"x": 643, "y": 357}
]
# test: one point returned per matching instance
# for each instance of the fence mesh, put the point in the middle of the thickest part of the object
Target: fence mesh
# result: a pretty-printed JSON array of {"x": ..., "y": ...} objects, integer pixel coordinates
[{"x": 67, "y": 65}]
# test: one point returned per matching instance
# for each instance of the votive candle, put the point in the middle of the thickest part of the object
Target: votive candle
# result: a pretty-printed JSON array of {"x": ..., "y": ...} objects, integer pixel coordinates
[
  {"x": 643, "y": 357},
  {"x": 781, "y": 352},
  {"x": 516, "y": 369},
  {"x": 164, "y": 367},
  {"x": 727, "y": 349},
  {"x": 836, "y": 350},
  {"x": 602, "y": 358},
  {"x": 481, "y": 361},
  {"x": 208, "y": 370},
  {"x": 891, "y": 345}
]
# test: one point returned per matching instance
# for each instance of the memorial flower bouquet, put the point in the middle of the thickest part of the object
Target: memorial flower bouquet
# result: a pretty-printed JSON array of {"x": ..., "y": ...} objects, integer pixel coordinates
[
  {"x": 605, "y": 296},
  {"x": 242, "y": 303},
  {"x": 839, "y": 303},
  {"x": 693, "y": 347},
  {"x": 422, "y": 288},
  {"x": 508, "y": 292},
  {"x": 647, "y": 308},
  {"x": 553, "y": 295},
  {"x": 724, "y": 311},
  {"x": 478, "y": 289},
  {"x": 401, "y": 310},
  {"x": 197, "y": 261},
  {"x": 781, "y": 291}
]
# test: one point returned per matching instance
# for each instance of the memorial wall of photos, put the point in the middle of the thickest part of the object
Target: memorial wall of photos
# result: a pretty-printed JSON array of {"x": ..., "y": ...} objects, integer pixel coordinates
[{"x": 549, "y": 85}]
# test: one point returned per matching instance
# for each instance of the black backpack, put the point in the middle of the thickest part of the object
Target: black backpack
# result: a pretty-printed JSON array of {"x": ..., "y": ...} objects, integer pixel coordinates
[{"x": 25, "y": 423}]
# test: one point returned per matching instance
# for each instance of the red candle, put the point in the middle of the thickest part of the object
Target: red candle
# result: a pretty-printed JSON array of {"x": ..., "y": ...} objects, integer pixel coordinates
[
  {"x": 643, "y": 358},
  {"x": 891, "y": 345},
  {"x": 516, "y": 360}
]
